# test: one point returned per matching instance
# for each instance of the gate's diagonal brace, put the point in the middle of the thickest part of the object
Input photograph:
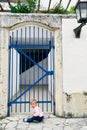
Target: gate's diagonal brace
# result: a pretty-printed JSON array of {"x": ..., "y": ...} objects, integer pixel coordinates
[
  {"x": 28, "y": 57},
  {"x": 30, "y": 87},
  {"x": 33, "y": 85}
]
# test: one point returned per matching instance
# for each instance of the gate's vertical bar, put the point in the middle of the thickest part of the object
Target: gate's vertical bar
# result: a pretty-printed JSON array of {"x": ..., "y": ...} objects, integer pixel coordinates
[
  {"x": 20, "y": 80},
  {"x": 9, "y": 75},
  {"x": 34, "y": 60},
  {"x": 12, "y": 76},
  {"x": 51, "y": 68},
  {"x": 25, "y": 72},
  {"x": 47, "y": 70},
  {"x": 29, "y": 61},
  {"x": 30, "y": 54},
  {"x": 21, "y": 70},
  {"x": 38, "y": 63},
  {"x": 53, "y": 73},
  {"x": 42, "y": 75},
  {"x": 13, "y": 38},
  {"x": 16, "y": 67},
  {"x": 12, "y": 69},
  {"x": 29, "y": 78}
]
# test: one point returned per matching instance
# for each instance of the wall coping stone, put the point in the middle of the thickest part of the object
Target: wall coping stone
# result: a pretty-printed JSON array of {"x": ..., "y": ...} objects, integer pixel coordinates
[{"x": 8, "y": 19}]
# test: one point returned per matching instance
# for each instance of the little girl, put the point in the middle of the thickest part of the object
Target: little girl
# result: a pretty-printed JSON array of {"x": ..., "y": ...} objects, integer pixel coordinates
[{"x": 37, "y": 114}]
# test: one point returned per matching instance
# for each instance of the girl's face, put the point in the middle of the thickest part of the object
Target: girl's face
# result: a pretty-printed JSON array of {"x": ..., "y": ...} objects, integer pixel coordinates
[{"x": 33, "y": 104}]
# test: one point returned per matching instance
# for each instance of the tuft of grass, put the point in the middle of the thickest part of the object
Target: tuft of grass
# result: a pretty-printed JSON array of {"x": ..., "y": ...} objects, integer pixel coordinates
[
  {"x": 58, "y": 9},
  {"x": 72, "y": 10}
]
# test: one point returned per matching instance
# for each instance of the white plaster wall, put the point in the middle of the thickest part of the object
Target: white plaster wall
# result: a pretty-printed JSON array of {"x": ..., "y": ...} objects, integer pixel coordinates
[{"x": 74, "y": 57}]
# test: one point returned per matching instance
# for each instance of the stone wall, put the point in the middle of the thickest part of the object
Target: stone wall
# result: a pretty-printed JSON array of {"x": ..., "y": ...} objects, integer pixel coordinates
[
  {"x": 4, "y": 41},
  {"x": 9, "y": 21}
]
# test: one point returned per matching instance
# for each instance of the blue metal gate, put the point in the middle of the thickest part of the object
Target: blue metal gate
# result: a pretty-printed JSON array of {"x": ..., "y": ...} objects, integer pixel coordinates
[{"x": 30, "y": 69}]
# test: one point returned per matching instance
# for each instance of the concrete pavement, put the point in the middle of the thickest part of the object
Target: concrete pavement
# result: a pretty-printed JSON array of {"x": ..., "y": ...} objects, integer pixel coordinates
[{"x": 50, "y": 122}]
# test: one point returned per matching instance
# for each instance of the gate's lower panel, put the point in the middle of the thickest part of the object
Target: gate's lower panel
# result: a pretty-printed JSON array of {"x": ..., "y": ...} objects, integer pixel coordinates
[{"x": 23, "y": 104}]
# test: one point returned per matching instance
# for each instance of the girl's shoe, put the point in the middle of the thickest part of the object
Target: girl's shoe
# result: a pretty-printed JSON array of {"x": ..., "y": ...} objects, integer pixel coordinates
[{"x": 25, "y": 120}]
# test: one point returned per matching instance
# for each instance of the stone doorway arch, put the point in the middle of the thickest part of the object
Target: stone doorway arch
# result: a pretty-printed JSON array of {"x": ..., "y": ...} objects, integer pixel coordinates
[{"x": 51, "y": 21}]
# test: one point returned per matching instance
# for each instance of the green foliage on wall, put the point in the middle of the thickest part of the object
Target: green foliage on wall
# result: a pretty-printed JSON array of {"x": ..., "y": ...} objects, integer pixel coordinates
[
  {"x": 72, "y": 10},
  {"x": 30, "y": 6},
  {"x": 58, "y": 9}
]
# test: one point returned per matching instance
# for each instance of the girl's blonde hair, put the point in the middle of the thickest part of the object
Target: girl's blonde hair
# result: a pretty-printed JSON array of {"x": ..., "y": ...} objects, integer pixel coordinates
[{"x": 33, "y": 101}]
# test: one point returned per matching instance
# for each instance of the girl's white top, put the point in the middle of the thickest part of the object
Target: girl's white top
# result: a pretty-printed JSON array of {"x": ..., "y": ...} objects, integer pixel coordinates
[{"x": 37, "y": 112}]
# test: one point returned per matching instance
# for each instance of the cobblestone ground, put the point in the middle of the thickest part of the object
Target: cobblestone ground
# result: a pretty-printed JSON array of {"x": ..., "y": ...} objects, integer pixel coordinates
[{"x": 50, "y": 122}]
